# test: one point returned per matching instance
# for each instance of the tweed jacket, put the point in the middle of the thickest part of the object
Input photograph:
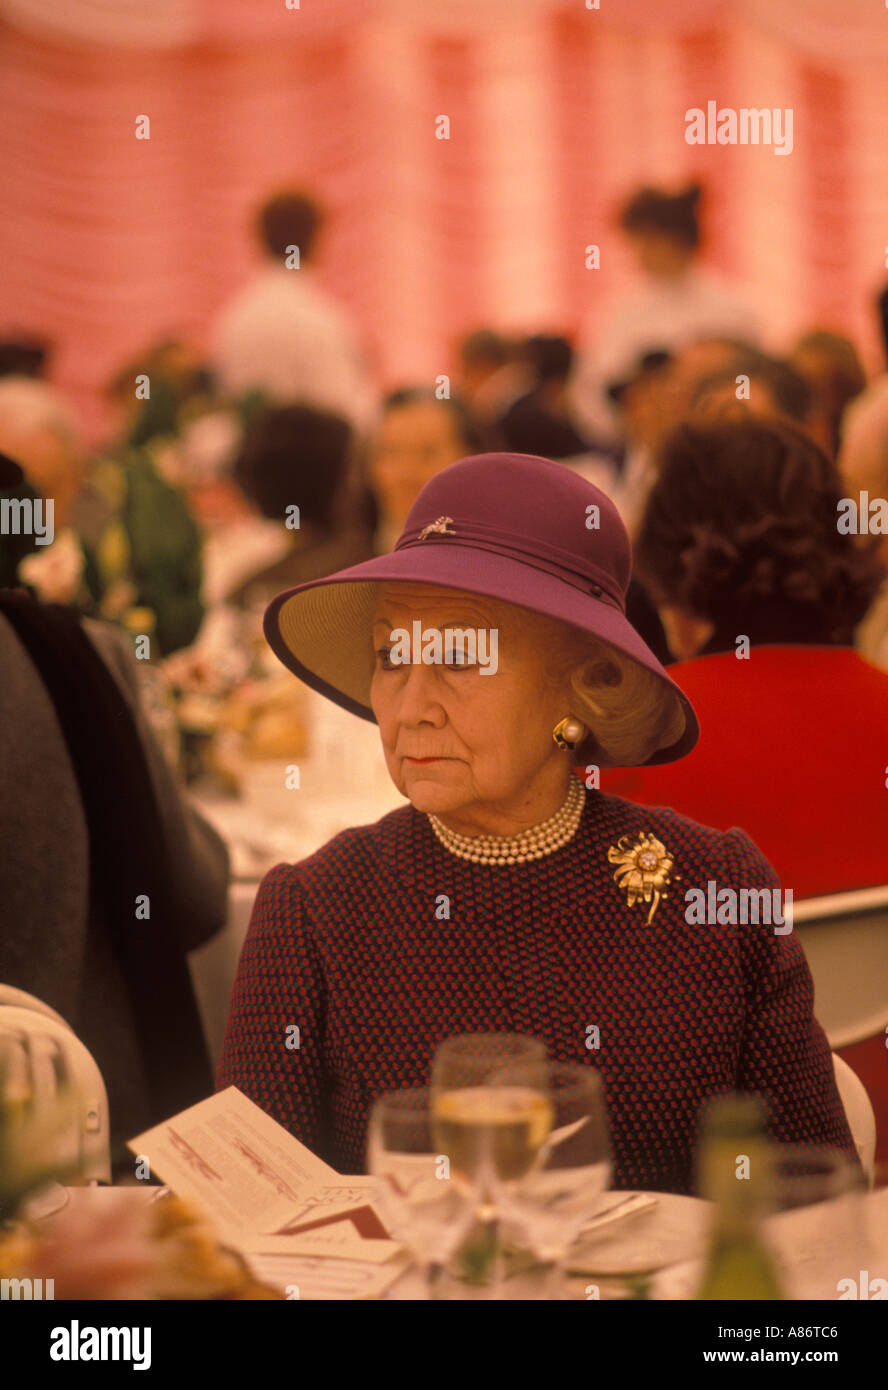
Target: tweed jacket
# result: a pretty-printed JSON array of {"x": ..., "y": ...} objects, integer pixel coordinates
[{"x": 383, "y": 943}]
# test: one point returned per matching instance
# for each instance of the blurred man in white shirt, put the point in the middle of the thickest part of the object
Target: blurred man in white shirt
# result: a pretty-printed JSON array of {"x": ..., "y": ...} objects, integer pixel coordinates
[{"x": 283, "y": 334}]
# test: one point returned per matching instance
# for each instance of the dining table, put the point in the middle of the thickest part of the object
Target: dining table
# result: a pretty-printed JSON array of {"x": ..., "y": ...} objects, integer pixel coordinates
[{"x": 655, "y": 1253}]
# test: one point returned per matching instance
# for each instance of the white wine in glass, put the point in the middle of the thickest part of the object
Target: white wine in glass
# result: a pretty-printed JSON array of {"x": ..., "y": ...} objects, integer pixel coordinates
[{"x": 491, "y": 1130}]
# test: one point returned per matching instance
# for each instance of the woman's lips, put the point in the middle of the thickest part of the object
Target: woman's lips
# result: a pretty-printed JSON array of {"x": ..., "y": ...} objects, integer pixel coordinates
[{"x": 425, "y": 760}]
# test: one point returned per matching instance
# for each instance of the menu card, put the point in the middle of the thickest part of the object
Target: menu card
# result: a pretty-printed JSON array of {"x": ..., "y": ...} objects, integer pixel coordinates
[{"x": 270, "y": 1197}]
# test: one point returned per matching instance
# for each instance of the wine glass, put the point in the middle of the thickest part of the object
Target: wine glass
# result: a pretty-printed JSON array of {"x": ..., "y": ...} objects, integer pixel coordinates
[
  {"x": 467, "y": 1059},
  {"x": 417, "y": 1201},
  {"x": 546, "y": 1204},
  {"x": 487, "y": 1131}
]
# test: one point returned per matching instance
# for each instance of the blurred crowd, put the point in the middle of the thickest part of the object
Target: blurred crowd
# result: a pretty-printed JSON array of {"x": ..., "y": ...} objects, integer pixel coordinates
[{"x": 276, "y": 458}]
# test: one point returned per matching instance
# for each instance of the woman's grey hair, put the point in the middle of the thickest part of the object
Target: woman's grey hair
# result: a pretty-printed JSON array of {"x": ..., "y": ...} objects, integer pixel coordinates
[{"x": 629, "y": 712}]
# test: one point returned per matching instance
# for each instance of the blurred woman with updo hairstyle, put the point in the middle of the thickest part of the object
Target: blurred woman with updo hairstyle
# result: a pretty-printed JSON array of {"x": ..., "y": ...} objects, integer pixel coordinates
[
  {"x": 760, "y": 594},
  {"x": 677, "y": 304},
  {"x": 739, "y": 548}
]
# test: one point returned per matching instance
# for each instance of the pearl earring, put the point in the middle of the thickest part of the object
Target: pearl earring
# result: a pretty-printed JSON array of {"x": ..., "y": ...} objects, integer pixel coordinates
[{"x": 569, "y": 733}]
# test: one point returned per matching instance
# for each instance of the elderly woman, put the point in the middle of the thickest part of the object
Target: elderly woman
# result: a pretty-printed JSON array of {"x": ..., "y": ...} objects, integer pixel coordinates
[{"x": 511, "y": 895}]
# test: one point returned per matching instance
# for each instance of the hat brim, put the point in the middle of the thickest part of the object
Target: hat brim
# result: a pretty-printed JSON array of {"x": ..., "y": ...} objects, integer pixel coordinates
[{"x": 322, "y": 630}]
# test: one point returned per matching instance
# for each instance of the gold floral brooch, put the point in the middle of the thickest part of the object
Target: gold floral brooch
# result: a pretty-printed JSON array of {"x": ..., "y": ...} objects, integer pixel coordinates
[{"x": 645, "y": 870}]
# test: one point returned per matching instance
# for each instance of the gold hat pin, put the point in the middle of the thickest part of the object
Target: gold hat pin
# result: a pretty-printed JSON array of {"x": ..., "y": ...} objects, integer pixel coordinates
[{"x": 442, "y": 527}]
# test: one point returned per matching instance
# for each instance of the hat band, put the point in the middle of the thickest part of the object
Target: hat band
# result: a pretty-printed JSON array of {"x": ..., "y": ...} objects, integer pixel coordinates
[{"x": 548, "y": 559}]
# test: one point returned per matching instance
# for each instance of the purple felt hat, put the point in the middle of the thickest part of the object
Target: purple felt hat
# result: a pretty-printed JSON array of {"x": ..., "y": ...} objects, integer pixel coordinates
[{"x": 513, "y": 527}]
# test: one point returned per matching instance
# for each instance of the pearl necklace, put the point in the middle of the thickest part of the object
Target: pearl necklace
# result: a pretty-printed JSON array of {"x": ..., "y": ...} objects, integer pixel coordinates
[{"x": 530, "y": 844}]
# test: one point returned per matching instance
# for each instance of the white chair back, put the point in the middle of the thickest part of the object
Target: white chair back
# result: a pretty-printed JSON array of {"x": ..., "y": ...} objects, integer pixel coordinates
[
  {"x": 845, "y": 940},
  {"x": 860, "y": 1114},
  {"x": 18, "y": 999},
  {"x": 37, "y": 1037}
]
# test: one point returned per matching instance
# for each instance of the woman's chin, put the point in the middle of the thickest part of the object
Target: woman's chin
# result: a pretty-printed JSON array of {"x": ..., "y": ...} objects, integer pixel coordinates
[{"x": 430, "y": 795}]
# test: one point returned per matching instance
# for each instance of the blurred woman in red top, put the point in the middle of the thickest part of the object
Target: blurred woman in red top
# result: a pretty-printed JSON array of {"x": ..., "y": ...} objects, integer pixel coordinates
[{"x": 759, "y": 593}]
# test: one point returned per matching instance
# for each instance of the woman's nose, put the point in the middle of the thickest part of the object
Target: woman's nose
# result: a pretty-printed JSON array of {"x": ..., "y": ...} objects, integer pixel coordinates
[{"x": 420, "y": 696}]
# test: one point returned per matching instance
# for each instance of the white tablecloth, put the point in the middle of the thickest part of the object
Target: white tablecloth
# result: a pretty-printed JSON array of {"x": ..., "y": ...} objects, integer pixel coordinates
[
  {"x": 675, "y": 1224},
  {"x": 814, "y": 1248}
]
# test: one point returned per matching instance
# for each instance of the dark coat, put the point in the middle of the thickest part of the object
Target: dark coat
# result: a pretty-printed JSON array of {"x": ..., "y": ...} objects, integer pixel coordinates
[{"x": 48, "y": 946}]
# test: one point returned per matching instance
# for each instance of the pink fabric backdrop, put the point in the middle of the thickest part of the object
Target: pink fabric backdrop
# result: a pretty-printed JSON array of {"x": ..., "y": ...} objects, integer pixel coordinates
[{"x": 556, "y": 111}]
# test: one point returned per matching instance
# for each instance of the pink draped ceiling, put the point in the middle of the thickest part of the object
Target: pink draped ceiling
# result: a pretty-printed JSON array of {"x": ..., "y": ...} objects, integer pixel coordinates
[{"x": 555, "y": 110}]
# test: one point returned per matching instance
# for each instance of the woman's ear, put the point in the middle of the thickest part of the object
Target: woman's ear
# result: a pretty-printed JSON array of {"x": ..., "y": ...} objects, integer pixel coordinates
[{"x": 684, "y": 633}]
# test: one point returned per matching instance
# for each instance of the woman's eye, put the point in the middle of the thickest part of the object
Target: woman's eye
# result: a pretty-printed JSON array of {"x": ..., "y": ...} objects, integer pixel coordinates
[
  {"x": 458, "y": 659},
  {"x": 384, "y": 655}
]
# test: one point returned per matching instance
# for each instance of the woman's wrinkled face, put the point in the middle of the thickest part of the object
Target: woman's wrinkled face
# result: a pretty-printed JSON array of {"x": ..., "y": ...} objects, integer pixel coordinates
[{"x": 454, "y": 738}]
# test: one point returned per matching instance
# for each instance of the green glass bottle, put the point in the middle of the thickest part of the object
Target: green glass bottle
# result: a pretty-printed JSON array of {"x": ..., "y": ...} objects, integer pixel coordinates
[{"x": 735, "y": 1172}]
